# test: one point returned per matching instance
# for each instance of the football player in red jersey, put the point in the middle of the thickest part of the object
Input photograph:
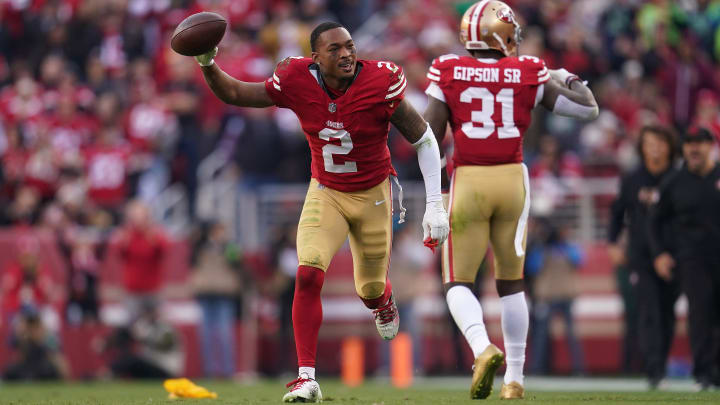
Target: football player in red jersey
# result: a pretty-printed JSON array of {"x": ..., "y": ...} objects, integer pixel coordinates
[
  {"x": 487, "y": 98},
  {"x": 345, "y": 106}
]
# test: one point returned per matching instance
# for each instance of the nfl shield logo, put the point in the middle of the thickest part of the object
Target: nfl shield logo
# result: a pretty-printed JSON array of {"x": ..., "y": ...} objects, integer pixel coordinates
[{"x": 332, "y": 107}]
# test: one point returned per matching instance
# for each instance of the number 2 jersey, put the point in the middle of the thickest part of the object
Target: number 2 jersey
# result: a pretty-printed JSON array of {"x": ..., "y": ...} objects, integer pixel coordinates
[
  {"x": 490, "y": 102},
  {"x": 347, "y": 134}
]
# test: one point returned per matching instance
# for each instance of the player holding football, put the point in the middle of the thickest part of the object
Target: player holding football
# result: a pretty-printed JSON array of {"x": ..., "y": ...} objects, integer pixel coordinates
[
  {"x": 487, "y": 99},
  {"x": 344, "y": 105}
]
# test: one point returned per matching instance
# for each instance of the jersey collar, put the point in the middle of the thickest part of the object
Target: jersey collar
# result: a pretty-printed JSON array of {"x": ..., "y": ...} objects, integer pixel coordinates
[{"x": 315, "y": 70}]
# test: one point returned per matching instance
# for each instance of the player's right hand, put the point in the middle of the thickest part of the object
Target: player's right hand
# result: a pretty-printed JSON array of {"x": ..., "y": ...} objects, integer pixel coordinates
[
  {"x": 208, "y": 58},
  {"x": 435, "y": 222},
  {"x": 562, "y": 75}
]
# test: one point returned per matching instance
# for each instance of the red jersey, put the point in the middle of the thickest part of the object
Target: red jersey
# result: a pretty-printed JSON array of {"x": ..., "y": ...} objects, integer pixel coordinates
[
  {"x": 490, "y": 104},
  {"x": 348, "y": 134},
  {"x": 142, "y": 253},
  {"x": 145, "y": 123},
  {"x": 107, "y": 168},
  {"x": 23, "y": 288},
  {"x": 70, "y": 135}
]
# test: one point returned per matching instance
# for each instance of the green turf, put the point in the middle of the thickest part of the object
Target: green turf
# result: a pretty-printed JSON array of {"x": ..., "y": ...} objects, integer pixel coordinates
[{"x": 270, "y": 392}]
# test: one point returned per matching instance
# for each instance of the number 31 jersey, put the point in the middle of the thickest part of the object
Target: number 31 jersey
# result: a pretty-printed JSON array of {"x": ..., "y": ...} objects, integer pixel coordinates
[
  {"x": 347, "y": 134},
  {"x": 490, "y": 102}
]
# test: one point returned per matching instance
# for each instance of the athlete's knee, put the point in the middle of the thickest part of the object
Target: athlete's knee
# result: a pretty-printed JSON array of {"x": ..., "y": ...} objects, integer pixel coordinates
[
  {"x": 309, "y": 278},
  {"x": 371, "y": 289},
  {"x": 312, "y": 257},
  {"x": 509, "y": 287},
  {"x": 448, "y": 286}
]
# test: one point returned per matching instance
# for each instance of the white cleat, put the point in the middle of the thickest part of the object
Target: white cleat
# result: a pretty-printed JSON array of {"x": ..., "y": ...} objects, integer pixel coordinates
[
  {"x": 387, "y": 319},
  {"x": 303, "y": 389}
]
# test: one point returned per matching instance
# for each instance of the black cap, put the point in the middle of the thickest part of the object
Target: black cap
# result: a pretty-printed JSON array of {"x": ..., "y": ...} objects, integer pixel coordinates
[{"x": 698, "y": 134}]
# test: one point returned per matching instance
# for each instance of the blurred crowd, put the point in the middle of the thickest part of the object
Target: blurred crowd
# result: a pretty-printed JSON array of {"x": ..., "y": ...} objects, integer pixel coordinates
[
  {"x": 95, "y": 108},
  {"x": 96, "y": 111}
]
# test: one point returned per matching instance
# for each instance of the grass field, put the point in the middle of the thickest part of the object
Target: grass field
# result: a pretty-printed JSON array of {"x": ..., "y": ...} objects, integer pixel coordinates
[{"x": 269, "y": 392}]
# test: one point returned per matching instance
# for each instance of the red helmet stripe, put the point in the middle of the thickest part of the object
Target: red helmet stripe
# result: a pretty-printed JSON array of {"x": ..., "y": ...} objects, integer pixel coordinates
[
  {"x": 469, "y": 26},
  {"x": 474, "y": 25}
]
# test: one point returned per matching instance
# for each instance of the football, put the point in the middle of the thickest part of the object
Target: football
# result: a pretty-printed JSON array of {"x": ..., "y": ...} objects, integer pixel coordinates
[{"x": 198, "y": 33}]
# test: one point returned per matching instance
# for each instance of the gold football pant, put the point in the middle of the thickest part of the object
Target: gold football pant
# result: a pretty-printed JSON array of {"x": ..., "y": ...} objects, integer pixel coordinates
[
  {"x": 487, "y": 204},
  {"x": 329, "y": 216}
]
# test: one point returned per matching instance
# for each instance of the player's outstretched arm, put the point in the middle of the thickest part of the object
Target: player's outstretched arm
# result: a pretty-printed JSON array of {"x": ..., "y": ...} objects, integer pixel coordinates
[
  {"x": 437, "y": 115},
  {"x": 229, "y": 89},
  {"x": 418, "y": 132},
  {"x": 565, "y": 94}
]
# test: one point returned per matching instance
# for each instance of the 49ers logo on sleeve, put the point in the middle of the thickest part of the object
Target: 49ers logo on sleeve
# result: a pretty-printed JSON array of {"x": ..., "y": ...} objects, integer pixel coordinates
[{"x": 506, "y": 15}]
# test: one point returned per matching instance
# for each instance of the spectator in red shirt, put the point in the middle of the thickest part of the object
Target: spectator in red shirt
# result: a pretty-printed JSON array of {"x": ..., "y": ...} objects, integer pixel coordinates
[
  {"x": 141, "y": 247},
  {"x": 25, "y": 283},
  {"x": 107, "y": 163}
]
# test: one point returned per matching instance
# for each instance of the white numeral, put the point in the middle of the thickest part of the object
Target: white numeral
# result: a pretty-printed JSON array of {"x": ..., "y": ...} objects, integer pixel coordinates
[
  {"x": 344, "y": 148},
  {"x": 508, "y": 130},
  {"x": 106, "y": 172},
  {"x": 388, "y": 65},
  {"x": 484, "y": 116}
]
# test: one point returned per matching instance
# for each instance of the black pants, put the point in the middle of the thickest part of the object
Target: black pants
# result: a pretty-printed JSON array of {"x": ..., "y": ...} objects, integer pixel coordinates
[
  {"x": 701, "y": 284},
  {"x": 656, "y": 319},
  {"x": 632, "y": 357},
  {"x": 131, "y": 366},
  {"x": 39, "y": 369}
]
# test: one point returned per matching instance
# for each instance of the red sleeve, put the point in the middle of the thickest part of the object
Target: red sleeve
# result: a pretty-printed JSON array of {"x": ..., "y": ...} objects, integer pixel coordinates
[
  {"x": 397, "y": 83},
  {"x": 534, "y": 71},
  {"x": 434, "y": 76},
  {"x": 279, "y": 81}
]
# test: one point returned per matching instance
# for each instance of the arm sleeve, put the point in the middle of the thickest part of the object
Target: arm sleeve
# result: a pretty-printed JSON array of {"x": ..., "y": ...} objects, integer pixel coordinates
[
  {"x": 659, "y": 214},
  {"x": 617, "y": 212},
  {"x": 429, "y": 160}
]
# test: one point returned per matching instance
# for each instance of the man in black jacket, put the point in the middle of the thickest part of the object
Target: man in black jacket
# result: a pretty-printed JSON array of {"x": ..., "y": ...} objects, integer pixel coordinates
[
  {"x": 655, "y": 296},
  {"x": 690, "y": 203}
]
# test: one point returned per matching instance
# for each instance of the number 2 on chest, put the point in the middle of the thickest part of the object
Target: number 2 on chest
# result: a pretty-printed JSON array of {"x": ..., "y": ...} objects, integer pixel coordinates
[
  {"x": 330, "y": 149},
  {"x": 484, "y": 116}
]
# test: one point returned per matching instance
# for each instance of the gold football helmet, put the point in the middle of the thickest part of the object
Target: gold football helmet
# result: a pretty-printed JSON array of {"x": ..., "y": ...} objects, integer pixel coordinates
[{"x": 490, "y": 24}]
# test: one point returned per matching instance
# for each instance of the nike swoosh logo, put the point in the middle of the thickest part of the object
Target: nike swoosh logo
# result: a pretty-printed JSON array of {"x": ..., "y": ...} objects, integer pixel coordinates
[{"x": 379, "y": 202}]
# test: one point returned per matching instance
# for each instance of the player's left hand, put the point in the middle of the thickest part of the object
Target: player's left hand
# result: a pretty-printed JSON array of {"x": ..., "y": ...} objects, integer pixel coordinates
[
  {"x": 435, "y": 223},
  {"x": 208, "y": 58}
]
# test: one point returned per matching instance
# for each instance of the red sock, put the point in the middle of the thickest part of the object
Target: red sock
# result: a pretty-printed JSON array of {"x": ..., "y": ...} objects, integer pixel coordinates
[
  {"x": 307, "y": 313},
  {"x": 374, "y": 303}
]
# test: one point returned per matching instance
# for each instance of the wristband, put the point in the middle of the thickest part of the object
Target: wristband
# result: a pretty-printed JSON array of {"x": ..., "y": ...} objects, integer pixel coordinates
[{"x": 571, "y": 79}]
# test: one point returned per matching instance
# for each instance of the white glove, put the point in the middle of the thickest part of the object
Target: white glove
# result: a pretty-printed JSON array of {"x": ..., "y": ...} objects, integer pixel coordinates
[
  {"x": 435, "y": 222},
  {"x": 446, "y": 200},
  {"x": 208, "y": 58},
  {"x": 562, "y": 75}
]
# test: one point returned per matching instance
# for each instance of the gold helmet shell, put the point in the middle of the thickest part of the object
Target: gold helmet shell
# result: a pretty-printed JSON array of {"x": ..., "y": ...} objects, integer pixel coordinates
[{"x": 490, "y": 24}]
